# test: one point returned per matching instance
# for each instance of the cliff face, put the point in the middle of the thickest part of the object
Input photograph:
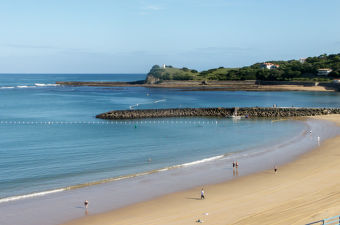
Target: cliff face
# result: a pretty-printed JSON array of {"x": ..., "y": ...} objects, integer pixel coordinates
[
  {"x": 151, "y": 79},
  {"x": 218, "y": 112}
]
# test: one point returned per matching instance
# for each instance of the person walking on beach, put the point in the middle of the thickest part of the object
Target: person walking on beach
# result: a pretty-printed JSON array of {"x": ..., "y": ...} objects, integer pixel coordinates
[
  {"x": 234, "y": 164},
  {"x": 275, "y": 169},
  {"x": 86, "y": 203},
  {"x": 202, "y": 194}
]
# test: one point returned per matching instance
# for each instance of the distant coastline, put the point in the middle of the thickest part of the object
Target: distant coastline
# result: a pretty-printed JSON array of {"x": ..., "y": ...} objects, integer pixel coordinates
[
  {"x": 323, "y": 68},
  {"x": 251, "y": 85},
  {"x": 311, "y": 74}
]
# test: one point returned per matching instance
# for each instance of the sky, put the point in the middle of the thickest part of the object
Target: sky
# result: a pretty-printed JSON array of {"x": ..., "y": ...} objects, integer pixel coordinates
[{"x": 130, "y": 36}]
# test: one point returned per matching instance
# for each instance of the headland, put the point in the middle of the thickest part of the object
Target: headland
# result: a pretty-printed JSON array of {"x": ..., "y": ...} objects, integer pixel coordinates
[{"x": 292, "y": 75}]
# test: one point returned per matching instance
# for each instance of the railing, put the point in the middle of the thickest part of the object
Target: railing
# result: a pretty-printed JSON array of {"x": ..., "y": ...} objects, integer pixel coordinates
[{"x": 335, "y": 220}]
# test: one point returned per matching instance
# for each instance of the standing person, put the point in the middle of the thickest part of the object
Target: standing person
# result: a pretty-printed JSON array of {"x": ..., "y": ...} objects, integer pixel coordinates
[
  {"x": 236, "y": 165},
  {"x": 202, "y": 194},
  {"x": 275, "y": 169},
  {"x": 86, "y": 203}
]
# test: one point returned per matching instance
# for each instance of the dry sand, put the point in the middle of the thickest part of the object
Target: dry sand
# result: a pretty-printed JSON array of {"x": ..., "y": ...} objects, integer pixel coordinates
[
  {"x": 292, "y": 88},
  {"x": 301, "y": 192}
]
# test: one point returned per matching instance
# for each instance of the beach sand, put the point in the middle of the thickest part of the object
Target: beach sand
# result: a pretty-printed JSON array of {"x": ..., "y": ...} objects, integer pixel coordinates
[
  {"x": 303, "y": 191},
  {"x": 211, "y": 86}
]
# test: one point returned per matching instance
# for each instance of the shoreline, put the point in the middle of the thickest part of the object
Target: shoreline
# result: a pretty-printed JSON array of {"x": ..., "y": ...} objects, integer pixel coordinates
[
  {"x": 263, "y": 197},
  {"x": 262, "y": 149},
  {"x": 67, "y": 205},
  {"x": 216, "y": 85}
]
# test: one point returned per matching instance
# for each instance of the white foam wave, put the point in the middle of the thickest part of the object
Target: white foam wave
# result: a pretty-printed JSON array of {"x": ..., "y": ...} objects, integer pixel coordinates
[
  {"x": 45, "y": 85},
  {"x": 203, "y": 160},
  {"x": 164, "y": 169},
  {"x": 20, "y": 197},
  {"x": 162, "y": 100},
  {"x": 24, "y": 86},
  {"x": 146, "y": 103},
  {"x": 6, "y": 87}
]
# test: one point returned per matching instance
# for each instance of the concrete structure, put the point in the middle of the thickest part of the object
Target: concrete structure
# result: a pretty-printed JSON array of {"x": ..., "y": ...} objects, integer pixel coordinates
[
  {"x": 269, "y": 66},
  {"x": 324, "y": 72}
]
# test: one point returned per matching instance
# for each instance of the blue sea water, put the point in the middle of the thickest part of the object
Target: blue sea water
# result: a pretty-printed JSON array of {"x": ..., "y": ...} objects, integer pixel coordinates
[{"x": 50, "y": 138}]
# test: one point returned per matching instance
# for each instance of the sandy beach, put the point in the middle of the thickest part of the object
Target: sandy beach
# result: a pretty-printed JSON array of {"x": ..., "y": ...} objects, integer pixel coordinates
[
  {"x": 303, "y": 191},
  {"x": 211, "y": 86}
]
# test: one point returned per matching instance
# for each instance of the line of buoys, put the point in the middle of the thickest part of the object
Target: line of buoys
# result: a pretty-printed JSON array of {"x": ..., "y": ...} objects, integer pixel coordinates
[{"x": 111, "y": 122}]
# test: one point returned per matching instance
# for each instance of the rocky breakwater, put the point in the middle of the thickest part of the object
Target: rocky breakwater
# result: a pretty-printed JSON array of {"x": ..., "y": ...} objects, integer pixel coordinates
[{"x": 251, "y": 112}]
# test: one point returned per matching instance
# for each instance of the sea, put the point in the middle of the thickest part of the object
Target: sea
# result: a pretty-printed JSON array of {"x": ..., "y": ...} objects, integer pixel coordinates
[{"x": 50, "y": 140}]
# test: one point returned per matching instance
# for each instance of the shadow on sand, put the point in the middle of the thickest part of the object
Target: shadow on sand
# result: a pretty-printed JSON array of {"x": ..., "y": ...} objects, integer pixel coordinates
[{"x": 194, "y": 198}]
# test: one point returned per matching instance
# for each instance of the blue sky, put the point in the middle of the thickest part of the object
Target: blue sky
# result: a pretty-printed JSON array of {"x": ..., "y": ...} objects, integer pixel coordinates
[{"x": 129, "y": 36}]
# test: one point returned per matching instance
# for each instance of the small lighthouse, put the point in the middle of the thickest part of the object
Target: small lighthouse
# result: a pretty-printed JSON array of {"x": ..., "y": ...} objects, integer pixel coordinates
[{"x": 164, "y": 66}]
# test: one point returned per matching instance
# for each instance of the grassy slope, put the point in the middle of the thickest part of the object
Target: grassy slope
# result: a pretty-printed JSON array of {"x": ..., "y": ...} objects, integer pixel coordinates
[{"x": 291, "y": 70}]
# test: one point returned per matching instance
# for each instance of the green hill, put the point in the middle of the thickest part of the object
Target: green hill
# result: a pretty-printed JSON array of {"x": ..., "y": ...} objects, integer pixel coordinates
[
  {"x": 158, "y": 74},
  {"x": 291, "y": 70}
]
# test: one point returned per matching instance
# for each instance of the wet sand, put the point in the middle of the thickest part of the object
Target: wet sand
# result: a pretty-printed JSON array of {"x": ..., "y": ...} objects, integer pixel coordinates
[{"x": 302, "y": 191}]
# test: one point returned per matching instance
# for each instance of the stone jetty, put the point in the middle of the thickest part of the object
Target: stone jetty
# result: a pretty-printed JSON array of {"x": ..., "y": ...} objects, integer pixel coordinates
[{"x": 249, "y": 112}]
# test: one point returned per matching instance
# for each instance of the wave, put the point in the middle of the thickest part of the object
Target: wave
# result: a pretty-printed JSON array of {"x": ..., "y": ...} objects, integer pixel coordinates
[
  {"x": 45, "y": 85},
  {"x": 162, "y": 100},
  {"x": 6, "y": 87},
  {"x": 20, "y": 197},
  {"x": 146, "y": 103},
  {"x": 24, "y": 86},
  {"x": 203, "y": 160},
  {"x": 30, "y": 86}
]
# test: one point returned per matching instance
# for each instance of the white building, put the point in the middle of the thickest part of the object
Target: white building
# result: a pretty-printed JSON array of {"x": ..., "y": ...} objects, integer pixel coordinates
[
  {"x": 302, "y": 60},
  {"x": 269, "y": 66},
  {"x": 164, "y": 66},
  {"x": 324, "y": 72}
]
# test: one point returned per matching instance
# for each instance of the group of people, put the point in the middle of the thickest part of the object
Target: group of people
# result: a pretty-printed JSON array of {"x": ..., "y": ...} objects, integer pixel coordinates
[{"x": 235, "y": 166}]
